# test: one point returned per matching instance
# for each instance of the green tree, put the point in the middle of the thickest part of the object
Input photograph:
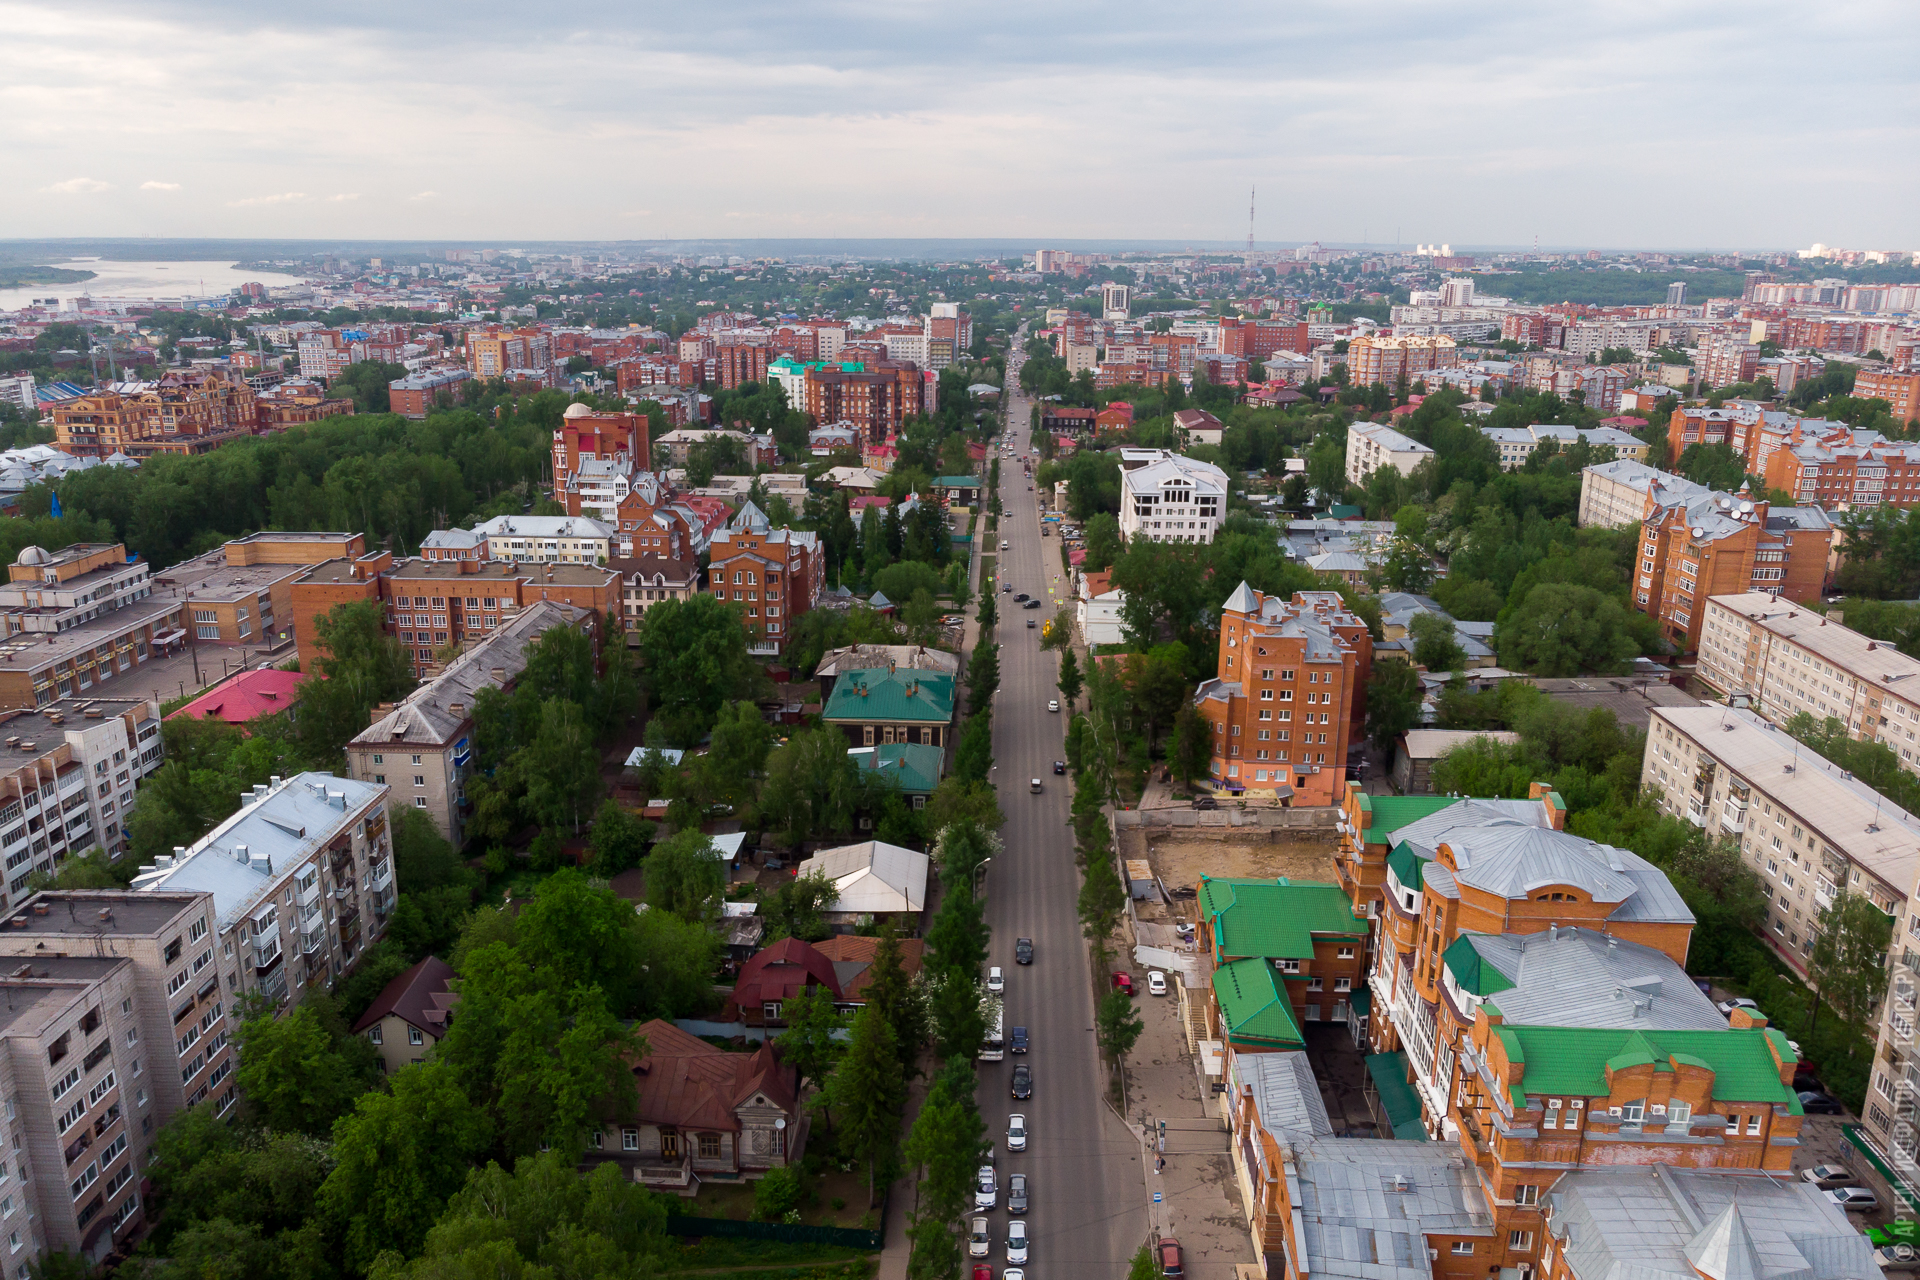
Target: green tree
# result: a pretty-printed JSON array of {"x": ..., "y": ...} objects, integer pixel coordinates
[
  {"x": 1116, "y": 1025},
  {"x": 777, "y": 1193},
  {"x": 1192, "y": 751},
  {"x": 298, "y": 1074},
  {"x": 1563, "y": 629},
  {"x": 1848, "y": 967},
  {"x": 561, "y": 767},
  {"x": 1142, "y": 1267},
  {"x": 695, "y": 655},
  {"x": 812, "y": 785},
  {"x": 983, "y": 675},
  {"x": 360, "y": 667},
  {"x": 685, "y": 875},
  {"x": 797, "y": 909},
  {"x": 1103, "y": 543},
  {"x": 1434, "y": 644},
  {"x": 870, "y": 1091},
  {"x": 1070, "y": 681},
  {"x": 1102, "y": 900},
  {"x": 1394, "y": 698},
  {"x": 619, "y": 839},
  {"x": 811, "y": 1043}
]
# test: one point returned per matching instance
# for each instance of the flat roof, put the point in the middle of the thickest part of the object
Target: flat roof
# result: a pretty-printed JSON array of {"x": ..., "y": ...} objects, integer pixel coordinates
[
  {"x": 210, "y": 578},
  {"x": 1873, "y": 662},
  {"x": 338, "y": 569},
  {"x": 571, "y": 575},
  {"x": 30, "y": 1006},
  {"x": 1861, "y": 824},
  {"x": 38, "y": 728},
  {"x": 76, "y": 913},
  {"x": 32, "y": 650}
]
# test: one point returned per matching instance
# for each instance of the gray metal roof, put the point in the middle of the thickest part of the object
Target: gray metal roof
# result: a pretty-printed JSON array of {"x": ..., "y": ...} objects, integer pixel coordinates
[
  {"x": 1662, "y": 1223},
  {"x": 1366, "y": 1207},
  {"x": 1284, "y": 1092},
  {"x": 1571, "y": 977}
]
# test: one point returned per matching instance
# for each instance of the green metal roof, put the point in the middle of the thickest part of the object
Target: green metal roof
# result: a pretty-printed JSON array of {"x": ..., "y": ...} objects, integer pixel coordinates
[
  {"x": 957, "y": 482},
  {"x": 1275, "y": 917},
  {"x": 1254, "y": 1006},
  {"x": 913, "y": 766},
  {"x": 1470, "y": 972},
  {"x": 1397, "y": 1098},
  {"x": 1390, "y": 813},
  {"x": 1575, "y": 1060},
  {"x": 1406, "y": 866},
  {"x": 1362, "y": 1002},
  {"x": 901, "y": 694}
]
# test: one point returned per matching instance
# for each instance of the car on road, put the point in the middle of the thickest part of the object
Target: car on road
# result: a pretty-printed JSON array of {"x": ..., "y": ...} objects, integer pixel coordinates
[
  {"x": 982, "y": 1271},
  {"x": 1821, "y": 1104},
  {"x": 985, "y": 1189},
  {"x": 1019, "y": 1042},
  {"x": 979, "y": 1239},
  {"x": 1003, "y": 544},
  {"x": 1053, "y": 704},
  {"x": 1031, "y": 624},
  {"x": 1016, "y": 1132},
  {"x": 1017, "y": 1240},
  {"x": 1005, "y": 587},
  {"x": 1031, "y": 604},
  {"x": 1858, "y": 1199},
  {"x": 1020, "y": 597},
  {"x": 1059, "y": 766},
  {"x": 1168, "y": 1252},
  {"x": 1123, "y": 982},
  {"x": 1034, "y": 786},
  {"x": 996, "y": 980},
  {"x": 1156, "y": 983},
  {"x": 1205, "y": 802},
  {"x": 1726, "y": 1007},
  {"x": 1829, "y": 1176},
  {"x": 1022, "y": 1083},
  {"x": 1016, "y": 1193},
  {"x": 1023, "y": 950}
]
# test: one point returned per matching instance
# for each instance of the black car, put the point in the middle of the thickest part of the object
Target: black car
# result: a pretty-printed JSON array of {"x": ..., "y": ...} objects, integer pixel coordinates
[
  {"x": 1021, "y": 596},
  {"x": 1814, "y": 1104},
  {"x": 1019, "y": 1044},
  {"x": 1804, "y": 1081},
  {"x": 1031, "y": 604},
  {"x": 1023, "y": 951},
  {"x": 1059, "y": 766},
  {"x": 1022, "y": 1081},
  {"x": 1017, "y": 1193},
  {"x": 1205, "y": 802}
]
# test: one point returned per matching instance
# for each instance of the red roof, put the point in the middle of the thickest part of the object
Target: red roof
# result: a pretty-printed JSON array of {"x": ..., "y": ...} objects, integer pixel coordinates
[
  {"x": 851, "y": 949},
  {"x": 420, "y": 996},
  {"x": 1624, "y": 422},
  {"x": 782, "y": 970},
  {"x": 868, "y": 500},
  {"x": 686, "y": 1082},
  {"x": 246, "y": 696}
]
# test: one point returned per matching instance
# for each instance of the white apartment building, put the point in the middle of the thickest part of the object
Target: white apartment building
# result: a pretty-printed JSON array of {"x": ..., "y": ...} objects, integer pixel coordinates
[
  {"x": 1372, "y": 445},
  {"x": 1790, "y": 659},
  {"x": 1516, "y": 444},
  {"x": 1165, "y": 497},
  {"x": 547, "y": 539},
  {"x": 301, "y": 878},
  {"x": 67, "y": 777},
  {"x": 1616, "y": 493}
]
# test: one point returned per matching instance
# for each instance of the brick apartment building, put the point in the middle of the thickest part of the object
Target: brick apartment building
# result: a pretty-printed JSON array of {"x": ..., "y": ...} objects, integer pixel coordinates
[
  {"x": 876, "y": 396},
  {"x": 1258, "y": 339},
  {"x": 774, "y": 576},
  {"x": 1722, "y": 362},
  {"x": 1725, "y": 544},
  {"x": 585, "y": 436},
  {"x": 71, "y": 620},
  {"x": 242, "y": 594},
  {"x": 416, "y": 395},
  {"x": 185, "y": 411},
  {"x": 294, "y": 403},
  {"x": 1290, "y": 694},
  {"x": 1834, "y": 472},
  {"x": 1900, "y": 390},
  {"x": 1386, "y": 360},
  {"x": 493, "y": 355}
]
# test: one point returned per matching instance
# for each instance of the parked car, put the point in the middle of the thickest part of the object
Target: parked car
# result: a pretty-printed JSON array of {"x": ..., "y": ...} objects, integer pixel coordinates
[
  {"x": 1003, "y": 544},
  {"x": 1898, "y": 1256},
  {"x": 986, "y": 1190},
  {"x": 1170, "y": 1263},
  {"x": 1016, "y": 1132},
  {"x": 1727, "y": 1007},
  {"x": 1016, "y": 1193},
  {"x": 982, "y": 1271},
  {"x": 1023, "y": 950},
  {"x": 1821, "y": 1104},
  {"x": 1828, "y": 1176},
  {"x": 1156, "y": 983},
  {"x": 1022, "y": 1083},
  {"x": 1205, "y": 802},
  {"x": 979, "y": 1239},
  {"x": 996, "y": 981},
  {"x": 1017, "y": 1240},
  {"x": 1059, "y": 766},
  {"x": 1019, "y": 1041},
  {"x": 1858, "y": 1199},
  {"x": 1123, "y": 982}
]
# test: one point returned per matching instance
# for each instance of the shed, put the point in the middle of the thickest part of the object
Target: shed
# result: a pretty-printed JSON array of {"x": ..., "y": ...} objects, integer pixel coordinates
[
  {"x": 1417, "y": 750},
  {"x": 1139, "y": 878}
]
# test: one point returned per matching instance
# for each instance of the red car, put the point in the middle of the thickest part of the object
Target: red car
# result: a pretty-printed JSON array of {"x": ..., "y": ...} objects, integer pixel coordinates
[
  {"x": 1170, "y": 1259},
  {"x": 982, "y": 1272},
  {"x": 1123, "y": 982}
]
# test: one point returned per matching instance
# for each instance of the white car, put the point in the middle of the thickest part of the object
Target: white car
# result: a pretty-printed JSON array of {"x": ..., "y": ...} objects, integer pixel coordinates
[
  {"x": 996, "y": 981},
  {"x": 1156, "y": 983},
  {"x": 979, "y": 1240},
  {"x": 1016, "y": 1132},
  {"x": 1003, "y": 544},
  {"x": 986, "y": 1191},
  {"x": 1017, "y": 1241},
  {"x": 1053, "y": 704}
]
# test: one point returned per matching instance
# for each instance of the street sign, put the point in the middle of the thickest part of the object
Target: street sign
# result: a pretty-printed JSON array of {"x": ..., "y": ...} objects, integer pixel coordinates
[{"x": 1156, "y": 1197}]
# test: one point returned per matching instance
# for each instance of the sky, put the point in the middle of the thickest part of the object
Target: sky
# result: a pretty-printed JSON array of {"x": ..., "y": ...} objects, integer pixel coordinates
[{"x": 1610, "y": 124}]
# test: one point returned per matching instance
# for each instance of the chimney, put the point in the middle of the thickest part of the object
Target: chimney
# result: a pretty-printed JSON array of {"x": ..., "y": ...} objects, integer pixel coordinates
[{"x": 241, "y": 854}]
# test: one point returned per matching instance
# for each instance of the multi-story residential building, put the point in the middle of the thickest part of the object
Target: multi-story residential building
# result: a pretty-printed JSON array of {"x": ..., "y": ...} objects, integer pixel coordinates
[
  {"x": 1838, "y": 473},
  {"x": 301, "y": 878},
  {"x": 547, "y": 539},
  {"x": 1289, "y": 696},
  {"x": 1376, "y": 358},
  {"x": 1165, "y": 497},
  {"x": 1787, "y": 660},
  {"x": 70, "y": 620},
  {"x": 1621, "y": 492},
  {"x": 756, "y": 451},
  {"x": 185, "y": 411},
  {"x": 585, "y": 436},
  {"x": 875, "y": 395},
  {"x": 295, "y": 402},
  {"x": 1516, "y": 444},
  {"x": 417, "y": 394},
  {"x": 492, "y": 355},
  {"x": 774, "y": 575},
  {"x": 1284, "y": 953},
  {"x": 648, "y": 579},
  {"x": 1722, "y": 362},
  {"x": 242, "y": 594},
  {"x": 1371, "y": 445},
  {"x": 1900, "y": 390},
  {"x": 420, "y": 748},
  {"x": 1722, "y": 544},
  {"x": 67, "y": 777}
]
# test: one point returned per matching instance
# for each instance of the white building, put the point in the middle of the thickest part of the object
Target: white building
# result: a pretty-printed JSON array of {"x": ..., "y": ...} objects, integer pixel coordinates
[
  {"x": 547, "y": 539},
  {"x": 1372, "y": 445},
  {"x": 1171, "y": 498},
  {"x": 1516, "y": 444},
  {"x": 1616, "y": 493}
]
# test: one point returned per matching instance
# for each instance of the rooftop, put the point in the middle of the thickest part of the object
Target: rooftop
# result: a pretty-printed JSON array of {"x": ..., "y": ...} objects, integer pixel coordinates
[
  {"x": 1579, "y": 978},
  {"x": 77, "y": 913},
  {"x": 34, "y": 650},
  {"x": 1254, "y": 1009},
  {"x": 1275, "y": 917},
  {"x": 245, "y": 696},
  {"x": 210, "y": 579},
  {"x": 1284, "y": 1092},
  {"x": 1366, "y": 1207},
  {"x": 1746, "y": 1061},
  {"x": 903, "y": 694},
  {"x": 1874, "y": 662},
  {"x": 1387, "y": 438}
]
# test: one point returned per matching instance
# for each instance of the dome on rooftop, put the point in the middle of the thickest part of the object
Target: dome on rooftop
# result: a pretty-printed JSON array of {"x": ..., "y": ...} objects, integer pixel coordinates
[
  {"x": 577, "y": 410},
  {"x": 34, "y": 555}
]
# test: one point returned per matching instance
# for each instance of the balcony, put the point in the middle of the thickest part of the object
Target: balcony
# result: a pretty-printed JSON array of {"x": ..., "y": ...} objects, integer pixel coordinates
[
  {"x": 311, "y": 941},
  {"x": 267, "y": 956},
  {"x": 309, "y": 893},
  {"x": 380, "y": 874}
]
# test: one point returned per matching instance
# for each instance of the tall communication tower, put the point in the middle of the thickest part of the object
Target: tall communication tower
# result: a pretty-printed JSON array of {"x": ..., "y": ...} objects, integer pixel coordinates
[{"x": 1252, "y": 192}]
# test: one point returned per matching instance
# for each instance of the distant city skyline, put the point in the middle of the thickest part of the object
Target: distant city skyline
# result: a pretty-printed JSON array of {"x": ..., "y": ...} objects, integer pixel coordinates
[{"x": 1635, "y": 127}]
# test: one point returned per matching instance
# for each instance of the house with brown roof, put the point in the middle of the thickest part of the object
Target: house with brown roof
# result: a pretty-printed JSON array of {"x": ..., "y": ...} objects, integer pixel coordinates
[
  {"x": 843, "y": 964},
  {"x": 704, "y": 1111},
  {"x": 409, "y": 1016},
  {"x": 853, "y": 955}
]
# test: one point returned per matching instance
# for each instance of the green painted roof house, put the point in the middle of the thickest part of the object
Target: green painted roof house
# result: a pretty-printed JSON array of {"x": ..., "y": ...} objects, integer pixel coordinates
[
  {"x": 1254, "y": 1012},
  {"x": 1580, "y": 1061},
  {"x": 905, "y": 695},
  {"x": 1274, "y": 919},
  {"x": 912, "y": 766}
]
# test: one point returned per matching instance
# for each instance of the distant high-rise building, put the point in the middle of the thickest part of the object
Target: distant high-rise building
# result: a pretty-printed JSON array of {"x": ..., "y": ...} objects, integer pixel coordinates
[
  {"x": 1677, "y": 294},
  {"x": 1457, "y": 292},
  {"x": 1115, "y": 302}
]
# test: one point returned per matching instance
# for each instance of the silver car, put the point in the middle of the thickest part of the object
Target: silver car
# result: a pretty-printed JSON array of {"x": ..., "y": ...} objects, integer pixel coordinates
[
  {"x": 986, "y": 1192},
  {"x": 1017, "y": 1241}
]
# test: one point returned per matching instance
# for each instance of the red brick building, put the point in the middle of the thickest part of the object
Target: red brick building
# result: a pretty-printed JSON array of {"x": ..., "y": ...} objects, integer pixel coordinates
[
  {"x": 585, "y": 436},
  {"x": 1901, "y": 390},
  {"x": 876, "y": 396},
  {"x": 772, "y": 576}
]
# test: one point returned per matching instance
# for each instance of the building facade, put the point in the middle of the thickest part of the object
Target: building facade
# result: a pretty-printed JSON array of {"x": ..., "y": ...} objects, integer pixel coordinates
[
  {"x": 1725, "y": 544},
  {"x": 1371, "y": 445},
  {"x": 774, "y": 576},
  {"x": 1621, "y": 492},
  {"x": 1171, "y": 498}
]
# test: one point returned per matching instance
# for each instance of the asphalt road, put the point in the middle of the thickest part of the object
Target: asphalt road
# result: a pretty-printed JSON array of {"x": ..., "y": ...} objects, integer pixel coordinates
[{"x": 1088, "y": 1211}]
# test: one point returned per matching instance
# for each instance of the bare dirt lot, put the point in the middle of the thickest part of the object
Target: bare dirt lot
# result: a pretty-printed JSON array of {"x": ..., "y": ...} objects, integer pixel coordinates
[{"x": 1183, "y": 859}]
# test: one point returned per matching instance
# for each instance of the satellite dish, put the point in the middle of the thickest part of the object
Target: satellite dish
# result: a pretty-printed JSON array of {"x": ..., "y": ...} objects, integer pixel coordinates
[
  {"x": 1698, "y": 532},
  {"x": 1746, "y": 507}
]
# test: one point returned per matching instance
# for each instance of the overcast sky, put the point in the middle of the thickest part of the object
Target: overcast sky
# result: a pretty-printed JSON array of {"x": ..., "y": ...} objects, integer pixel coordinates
[{"x": 1631, "y": 124}]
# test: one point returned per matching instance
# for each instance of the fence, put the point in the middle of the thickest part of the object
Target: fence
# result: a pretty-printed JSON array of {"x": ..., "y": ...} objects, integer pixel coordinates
[
  {"x": 786, "y": 1233},
  {"x": 1318, "y": 818}
]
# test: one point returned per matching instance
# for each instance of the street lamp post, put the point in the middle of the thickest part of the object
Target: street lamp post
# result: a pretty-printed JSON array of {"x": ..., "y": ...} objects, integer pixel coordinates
[{"x": 980, "y": 875}]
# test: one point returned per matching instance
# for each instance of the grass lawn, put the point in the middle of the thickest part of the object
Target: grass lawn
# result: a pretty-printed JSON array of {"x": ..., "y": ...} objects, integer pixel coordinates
[{"x": 735, "y": 1200}]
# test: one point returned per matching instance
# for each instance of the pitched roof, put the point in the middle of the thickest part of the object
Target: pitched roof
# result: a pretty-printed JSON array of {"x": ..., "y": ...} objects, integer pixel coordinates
[
  {"x": 914, "y": 766},
  {"x": 1284, "y": 1092},
  {"x": 1575, "y": 1060},
  {"x": 1365, "y": 1209},
  {"x": 873, "y": 876},
  {"x": 854, "y": 955},
  {"x": 1275, "y": 917},
  {"x": 421, "y": 997},
  {"x": 1582, "y": 978},
  {"x": 1255, "y": 1010},
  {"x": 874, "y": 695},
  {"x": 685, "y": 1081},
  {"x": 249, "y": 694},
  {"x": 1463, "y": 961},
  {"x": 1393, "y": 812},
  {"x": 782, "y": 970}
]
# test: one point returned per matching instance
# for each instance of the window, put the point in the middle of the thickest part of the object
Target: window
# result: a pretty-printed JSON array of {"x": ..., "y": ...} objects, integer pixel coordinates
[
  {"x": 1753, "y": 1125},
  {"x": 419, "y": 802},
  {"x": 1463, "y": 1248},
  {"x": 419, "y": 779},
  {"x": 629, "y": 1139},
  {"x": 1679, "y": 1113},
  {"x": 1343, "y": 984},
  {"x": 1634, "y": 1111},
  {"x": 1526, "y": 1193},
  {"x": 1733, "y": 1124},
  {"x": 414, "y": 1036},
  {"x": 373, "y": 1035},
  {"x": 709, "y": 1146},
  {"x": 1550, "y": 1115},
  {"x": 1519, "y": 1239},
  {"x": 1345, "y": 953}
]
